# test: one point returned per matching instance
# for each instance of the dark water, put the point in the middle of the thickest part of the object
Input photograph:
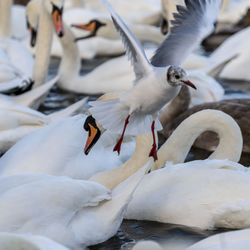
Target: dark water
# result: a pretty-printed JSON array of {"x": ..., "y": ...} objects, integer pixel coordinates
[{"x": 132, "y": 231}]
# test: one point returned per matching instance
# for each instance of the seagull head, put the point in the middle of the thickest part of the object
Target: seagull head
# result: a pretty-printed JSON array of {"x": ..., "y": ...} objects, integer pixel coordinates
[{"x": 177, "y": 76}]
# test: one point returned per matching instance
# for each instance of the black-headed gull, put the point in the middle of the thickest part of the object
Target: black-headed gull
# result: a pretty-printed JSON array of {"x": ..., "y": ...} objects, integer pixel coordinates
[{"x": 154, "y": 86}]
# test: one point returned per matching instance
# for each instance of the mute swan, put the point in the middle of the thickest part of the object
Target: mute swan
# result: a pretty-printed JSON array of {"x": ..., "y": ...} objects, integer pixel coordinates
[
  {"x": 12, "y": 20},
  {"x": 18, "y": 121},
  {"x": 236, "y": 43},
  {"x": 76, "y": 213},
  {"x": 237, "y": 108},
  {"x": 12, "y": 52},
  {"x": 28, "y": 242},
  {"x": 181, "y": 202},
  {"x": 227, "y": 241}
]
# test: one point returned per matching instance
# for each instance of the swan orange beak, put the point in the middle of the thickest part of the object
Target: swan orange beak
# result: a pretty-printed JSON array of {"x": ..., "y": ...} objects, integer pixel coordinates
[
  {"x": 57, "y": 20},
  {"x": 92, "y": 26},
  {"x": 190, "y": 84},
  {"x": 94, "y": 133}
]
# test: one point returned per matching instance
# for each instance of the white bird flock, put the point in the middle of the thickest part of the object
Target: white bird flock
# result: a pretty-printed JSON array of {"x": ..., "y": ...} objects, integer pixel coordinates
[{"x": 56, "y": 193}]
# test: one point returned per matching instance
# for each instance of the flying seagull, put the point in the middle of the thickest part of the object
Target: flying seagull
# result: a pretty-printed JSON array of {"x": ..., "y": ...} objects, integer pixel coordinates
[{"x": 158, "y": 82}]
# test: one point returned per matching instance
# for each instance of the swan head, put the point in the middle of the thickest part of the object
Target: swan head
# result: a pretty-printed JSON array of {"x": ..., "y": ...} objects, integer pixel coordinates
[
  {"x": 55, "y": 8},
  {"x": 92, "y": 26},
  {"x": 177, "y": 76},
  {"x": 32, "y": 19},
  {"x": 94, "y": 132}
]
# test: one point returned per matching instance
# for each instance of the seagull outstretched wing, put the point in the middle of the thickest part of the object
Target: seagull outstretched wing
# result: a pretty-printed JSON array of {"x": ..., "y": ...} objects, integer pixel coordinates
[
  {"x": 190, "y": 26},
  {"x": 134, "y": 49}
]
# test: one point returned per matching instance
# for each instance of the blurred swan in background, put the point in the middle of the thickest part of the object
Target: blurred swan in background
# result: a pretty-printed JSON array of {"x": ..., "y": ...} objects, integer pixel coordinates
[
  {"x": 106, "y": 44},
  {"x": 28, "y": 242}
]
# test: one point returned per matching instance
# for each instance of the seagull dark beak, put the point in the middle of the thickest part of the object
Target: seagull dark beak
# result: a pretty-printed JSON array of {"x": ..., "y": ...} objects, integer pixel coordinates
[
  {"x": 190, "y": 84},
  {"x": 57, "y": 20},
  {"x": 94, "y": 133}
]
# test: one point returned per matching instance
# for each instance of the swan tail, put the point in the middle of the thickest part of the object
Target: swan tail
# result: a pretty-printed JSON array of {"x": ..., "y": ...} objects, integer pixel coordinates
[
  {"x": 68, "y": 111},
  {"x": 30, "y": 98},
  {"x": 112, "y": 116}
]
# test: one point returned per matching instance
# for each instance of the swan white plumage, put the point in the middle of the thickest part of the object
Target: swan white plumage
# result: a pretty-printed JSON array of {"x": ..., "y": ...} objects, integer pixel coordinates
[
  {"x": 108, "y": 43},
  {"x": 235, "y": 44},
  {"x": 197, "y": 201},
  {"x": 12, "y": 52},
  {"x": 75, "y": 213},
  {"x": 238, "y": 239},
  {"x": 28, "y": 242}
]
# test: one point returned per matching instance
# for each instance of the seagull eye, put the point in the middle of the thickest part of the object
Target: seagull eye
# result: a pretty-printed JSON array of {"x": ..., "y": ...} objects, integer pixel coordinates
[{"x": 177, "y": 77}]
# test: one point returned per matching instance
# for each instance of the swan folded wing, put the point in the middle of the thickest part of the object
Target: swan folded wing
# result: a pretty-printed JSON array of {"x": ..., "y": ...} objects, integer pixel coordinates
[
  {"x": 23, "y": 115},
  {"x": 47, "y": 198},
  {"x": 134, "y": 50},
  {"x": 111, "y": 115},
  {"x": 190, "y": 26}
]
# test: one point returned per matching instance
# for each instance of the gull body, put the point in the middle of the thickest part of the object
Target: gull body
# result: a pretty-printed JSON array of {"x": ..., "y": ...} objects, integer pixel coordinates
[{"x": 134, "y": 107}]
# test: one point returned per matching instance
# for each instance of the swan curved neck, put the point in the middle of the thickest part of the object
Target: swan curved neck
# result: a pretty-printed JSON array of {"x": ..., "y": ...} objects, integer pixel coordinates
[
  {"x": 44, "y": 42},
  {"x": 5, "y": 18},
  {"x": 111, "y": 178},
  {"x": 71, "y": 62},
  {"x": 176, "y": 148}
]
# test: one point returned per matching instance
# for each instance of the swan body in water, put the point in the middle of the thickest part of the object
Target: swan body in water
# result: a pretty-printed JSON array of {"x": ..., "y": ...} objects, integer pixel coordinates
[
  {"x": 173, "y": 200},
  {"x": 75, "y": 213}
]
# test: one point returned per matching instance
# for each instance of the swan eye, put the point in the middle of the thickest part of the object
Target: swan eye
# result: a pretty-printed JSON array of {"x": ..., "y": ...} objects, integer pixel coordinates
[{"x": 177, "y": 77}]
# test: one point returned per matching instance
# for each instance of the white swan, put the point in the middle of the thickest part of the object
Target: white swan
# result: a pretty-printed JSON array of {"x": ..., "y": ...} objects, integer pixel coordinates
[
  {"x": 235, "y": 44},
  {"x": 75, "y": 213},
  {"x": 108, "y": 43},
  {"x": 12, "y": 20},
  {"x": 28, "y": 242},
  {"x": 227, "y": 241},
  {"x": 12, "y": 52},
  {"x": 195, "y": 193}
]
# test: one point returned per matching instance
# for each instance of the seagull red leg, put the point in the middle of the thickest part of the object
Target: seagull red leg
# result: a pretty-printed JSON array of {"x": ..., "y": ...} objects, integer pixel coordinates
[
  {"x": 119, "y": 143},
  {"x": 153, "y": 151}
]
